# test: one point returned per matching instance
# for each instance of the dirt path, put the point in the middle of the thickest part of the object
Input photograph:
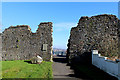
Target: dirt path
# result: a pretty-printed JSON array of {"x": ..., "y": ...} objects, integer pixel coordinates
[{"x": 62, "y": 71}]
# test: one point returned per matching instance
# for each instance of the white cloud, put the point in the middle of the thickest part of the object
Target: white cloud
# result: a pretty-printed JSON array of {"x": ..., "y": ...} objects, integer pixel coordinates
[{"x": 64, "y": 25}]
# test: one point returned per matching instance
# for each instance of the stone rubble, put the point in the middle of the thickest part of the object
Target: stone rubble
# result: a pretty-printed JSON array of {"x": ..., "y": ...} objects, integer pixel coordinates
[{"x": 36, "y": 60}]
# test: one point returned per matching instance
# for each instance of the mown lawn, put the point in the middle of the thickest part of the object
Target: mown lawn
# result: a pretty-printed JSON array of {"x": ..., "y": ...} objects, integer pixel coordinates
[{"x": 21, "y": 69}]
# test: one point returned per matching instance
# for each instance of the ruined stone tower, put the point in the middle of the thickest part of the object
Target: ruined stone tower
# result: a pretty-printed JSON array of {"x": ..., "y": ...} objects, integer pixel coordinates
[
  {"x": 94, "y": 33},
  {"x": 19, "y": 43}
]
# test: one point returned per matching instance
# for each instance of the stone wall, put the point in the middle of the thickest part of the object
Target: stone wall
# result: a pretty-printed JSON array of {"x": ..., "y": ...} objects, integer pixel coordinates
[
  {"x": 94, "y": 33},
  {"x": 109, "y": 66},
  {"x": 19, "y": 43}
]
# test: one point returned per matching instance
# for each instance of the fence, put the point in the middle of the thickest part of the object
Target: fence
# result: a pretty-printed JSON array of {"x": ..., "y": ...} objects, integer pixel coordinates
[{"x": 109, "y": 66}]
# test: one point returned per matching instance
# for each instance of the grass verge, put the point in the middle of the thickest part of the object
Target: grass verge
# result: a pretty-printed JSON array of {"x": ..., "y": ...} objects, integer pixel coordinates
[{"x": 23, "y": 69}]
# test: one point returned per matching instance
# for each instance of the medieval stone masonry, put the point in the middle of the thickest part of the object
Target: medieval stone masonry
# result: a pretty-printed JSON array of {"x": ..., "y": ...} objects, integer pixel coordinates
[
  {"x": 99, "y": 32},
  {"x": 19, "y": 43}
]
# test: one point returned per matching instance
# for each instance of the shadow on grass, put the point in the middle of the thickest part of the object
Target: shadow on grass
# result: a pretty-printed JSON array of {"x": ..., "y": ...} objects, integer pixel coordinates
[
  {"x": 28, "y": 61},
  {"x": 92, "y": 72},
  {"x": 82, "y": 66}
]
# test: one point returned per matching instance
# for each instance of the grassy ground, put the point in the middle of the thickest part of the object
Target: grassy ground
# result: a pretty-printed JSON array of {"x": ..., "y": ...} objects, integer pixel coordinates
[
  {"x": 21, "y": 69},
  {"x": 93, "y": 73}
]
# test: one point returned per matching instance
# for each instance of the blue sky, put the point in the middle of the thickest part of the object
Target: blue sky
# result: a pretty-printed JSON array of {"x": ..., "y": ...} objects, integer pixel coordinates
[
  {"x": 60, "y": 0},
  {"x": 64, "y": 15}
]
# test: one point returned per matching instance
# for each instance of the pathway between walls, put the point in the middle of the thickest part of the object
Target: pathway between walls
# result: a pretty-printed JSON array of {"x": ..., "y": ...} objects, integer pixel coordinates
[{"x": 61, "y": 71}]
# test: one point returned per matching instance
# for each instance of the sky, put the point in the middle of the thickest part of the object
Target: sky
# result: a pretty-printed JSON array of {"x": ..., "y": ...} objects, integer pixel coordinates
[
  {"x": 59, "y": 0},
  {"x": 63, "y": 15}
]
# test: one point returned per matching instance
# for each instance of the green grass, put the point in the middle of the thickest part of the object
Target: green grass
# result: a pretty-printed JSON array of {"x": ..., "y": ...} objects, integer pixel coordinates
[{"x": 21, "y": 69}]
